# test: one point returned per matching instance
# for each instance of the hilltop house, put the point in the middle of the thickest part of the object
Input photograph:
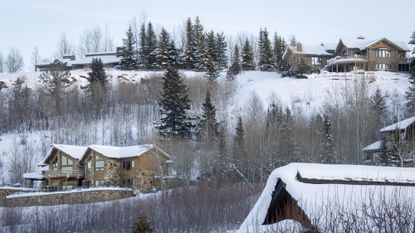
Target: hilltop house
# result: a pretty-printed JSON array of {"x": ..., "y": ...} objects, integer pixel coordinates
[
  {"x": 311, "y": 194},
  {"x": 144, "y": 167},
  {"x": 401, "y": 134},
  {"x": 316, "y": 56},
  {"x": 110, "y": 59},
  {"x": 371, "y": 55}
]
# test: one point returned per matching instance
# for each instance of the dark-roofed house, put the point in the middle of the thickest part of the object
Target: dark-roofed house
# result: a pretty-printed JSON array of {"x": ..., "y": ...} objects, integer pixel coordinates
[
  {"x": 381, "y": 54},
  {"x": 314, "y": 55},
  {"x": 138, "y": 166},
  {"x": 319, "y": 195}
]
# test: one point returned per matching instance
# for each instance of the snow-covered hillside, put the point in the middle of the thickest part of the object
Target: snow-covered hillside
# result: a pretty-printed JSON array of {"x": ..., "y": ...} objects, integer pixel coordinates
[{"x": 307, "y": 95}]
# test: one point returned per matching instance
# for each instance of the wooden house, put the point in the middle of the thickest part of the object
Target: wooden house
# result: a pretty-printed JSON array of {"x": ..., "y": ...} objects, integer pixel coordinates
[
  {"x": 402, "y": 135},
  {"x": 370, "y": 55},
  {"x": 315, "y": 56},
  {"x": 141, "y": 167},
  {"x": 64, "y": 170},
  {"x": 310, "y": 194}
]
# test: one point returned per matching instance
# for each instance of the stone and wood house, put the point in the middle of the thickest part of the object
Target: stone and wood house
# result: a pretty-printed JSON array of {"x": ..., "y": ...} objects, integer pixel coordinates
[
  {"x": 307, "y": 193},
  {"x": 139, "y": 166},
  {"x": 315, "y": 56},
  {"x": 402, "y": 135},
  {"x": 370, "y": 55},
  {"x": 143, "y": 167}
]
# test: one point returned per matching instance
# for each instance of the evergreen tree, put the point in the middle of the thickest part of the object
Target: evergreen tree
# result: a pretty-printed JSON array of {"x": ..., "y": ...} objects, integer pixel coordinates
[
  {"x": 174, "y": 105},
  {"x": 279, "y": 49},
  {"x": 388, "y": 154},
  {"x": 328, "y": 154},
  {"x": 142, "y": 52},
  {"x": 151, "y": 47},
  {"x": 208, "y": 124},
  {"x": 128, "y": 59},
  {"x": 97, "y": 79},
  {"x": 200, "y": 52},
  {"x": 222, "y": 162},
  {"x": 143, "y": 225},
  {"x": 221, "y": 51},
  {"x": 189, "y": 57},
  {"x": 173, "y": 56},
  {"x": 97, "y": 73},
  {"x": 239, "y": 141},
  {"x": 266, "y": 58},
  {"x": 236, "y": 62},
  {"x": 164, "y": 50},
  {"x": 211, "y": 47},
  {"x": 247, "y": 57},
  {"x": 378, "y": 106},
  {"x": 212, "y": 72}
]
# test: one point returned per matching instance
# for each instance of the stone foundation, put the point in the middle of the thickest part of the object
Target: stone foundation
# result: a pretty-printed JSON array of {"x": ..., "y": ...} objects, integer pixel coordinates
[{"x": 70, "y": 197}]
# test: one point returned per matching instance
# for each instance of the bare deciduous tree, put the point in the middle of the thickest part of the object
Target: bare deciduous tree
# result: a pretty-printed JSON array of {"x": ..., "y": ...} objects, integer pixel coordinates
[{"x": 14, "y": 61}]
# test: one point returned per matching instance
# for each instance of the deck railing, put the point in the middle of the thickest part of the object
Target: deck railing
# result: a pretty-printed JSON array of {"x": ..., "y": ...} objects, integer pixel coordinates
[{"x": 64, "y": 173}]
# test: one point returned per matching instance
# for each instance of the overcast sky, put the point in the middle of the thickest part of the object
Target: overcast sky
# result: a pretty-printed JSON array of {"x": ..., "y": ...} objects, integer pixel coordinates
[{"x": 29, "y": 23}]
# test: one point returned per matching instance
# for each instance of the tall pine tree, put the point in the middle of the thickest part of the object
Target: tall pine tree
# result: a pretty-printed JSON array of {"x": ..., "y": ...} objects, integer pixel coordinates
[
  {"x": 208, "y": 125},
  {"x": 151, "y": 47},
  {"x": 189, "y": 56},
  {"x": 200, "y": 52},
  {"x": 142, "y": 51},
  {"x": 128, "y": 58},
  {"x": 266, "y": 58},
  {"x": 248, "y": 57},
  {"x": 174, "y": 105},
  {"x": 328, "y": 154},
  {"x": 163, "y": 58},
  {"x": 279, "y": 49},
  {"x": 236, "y": 62},
  {"x": 221, "y": 51}
]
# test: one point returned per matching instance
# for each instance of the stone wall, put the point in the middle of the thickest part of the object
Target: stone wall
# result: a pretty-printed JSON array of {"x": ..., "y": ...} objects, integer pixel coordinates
[
  {"x": 70, "y": 197},
  {"x": 6, "y": 191}
]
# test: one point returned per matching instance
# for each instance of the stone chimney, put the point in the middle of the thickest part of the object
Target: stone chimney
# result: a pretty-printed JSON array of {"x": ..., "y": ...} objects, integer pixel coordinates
[{"x": 360, "y": 37}]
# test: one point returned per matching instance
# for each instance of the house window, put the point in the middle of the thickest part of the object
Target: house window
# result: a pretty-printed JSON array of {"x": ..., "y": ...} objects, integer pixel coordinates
[
  {"x": 99, "y": 163},
  {"x": 99, "y": 183},
  {"x": 127, "y": 165},
  {"x": 382, "y": 53},
  {"x": 382, "y": 66},
  {"x": 67, "y": 164},
  {"x": 315, "y": 61}
]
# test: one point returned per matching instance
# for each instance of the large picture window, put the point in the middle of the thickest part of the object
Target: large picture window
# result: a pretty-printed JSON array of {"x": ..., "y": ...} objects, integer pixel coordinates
[
  {"x": 67, "y": 164},
  {"x": 99, "y": 163},
  {"x": 382, "y": 53}
]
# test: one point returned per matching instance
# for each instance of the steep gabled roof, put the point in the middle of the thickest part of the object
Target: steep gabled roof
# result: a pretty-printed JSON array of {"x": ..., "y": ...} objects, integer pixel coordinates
[
  {"x": 124, "y": 152},
  {"x": 75, "y": 152},
  {"x": 401, "y": 125},
  {"x": 344, "y": 186},
  {"x": 363, "y": 43}
]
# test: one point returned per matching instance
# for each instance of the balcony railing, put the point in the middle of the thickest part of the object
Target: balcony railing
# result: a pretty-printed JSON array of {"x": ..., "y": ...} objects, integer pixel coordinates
[
  {"x": 346, "y": 59},
  {"x": 64, "y": 173}
]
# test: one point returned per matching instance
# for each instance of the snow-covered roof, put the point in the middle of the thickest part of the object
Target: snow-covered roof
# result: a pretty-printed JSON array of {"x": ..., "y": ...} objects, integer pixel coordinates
[
  {"x": 401, "y": 125},
  {"x": 75, "y": 152},
  {"x": 311, "y": 50},
  {"x": 33, "y": 175},
  {"x": 123, "y": 152},
  {"x": 373, "y": 146},
  {"x": 104, "y": 58},
  {"x": 346, "y": 186},
  {"x": 363, "y": 43},
  {"x": 105, "y": 53}
]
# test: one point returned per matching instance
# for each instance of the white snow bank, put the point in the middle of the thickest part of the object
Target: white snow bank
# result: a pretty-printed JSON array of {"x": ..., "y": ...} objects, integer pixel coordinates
[{"x": 16, "y": 195}]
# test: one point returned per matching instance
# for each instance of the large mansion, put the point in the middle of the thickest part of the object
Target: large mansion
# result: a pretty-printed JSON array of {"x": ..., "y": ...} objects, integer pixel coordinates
[{"x": 352, "y": 54}]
